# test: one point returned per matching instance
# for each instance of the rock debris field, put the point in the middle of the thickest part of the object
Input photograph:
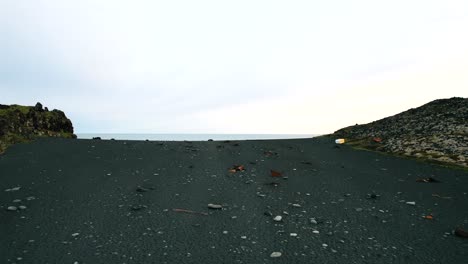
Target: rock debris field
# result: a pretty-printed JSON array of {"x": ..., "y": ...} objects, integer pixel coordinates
[{"x": 271, "y": 201}]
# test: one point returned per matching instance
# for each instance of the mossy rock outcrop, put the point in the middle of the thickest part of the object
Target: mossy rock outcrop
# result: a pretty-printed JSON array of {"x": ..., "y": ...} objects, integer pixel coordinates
[
  {"x": 436, "y": 131},
  {"x": 24, "y": 123}
]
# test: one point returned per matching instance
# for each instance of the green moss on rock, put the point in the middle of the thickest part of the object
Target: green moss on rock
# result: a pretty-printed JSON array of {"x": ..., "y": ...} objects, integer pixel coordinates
[{"x": 24, "y": 123}]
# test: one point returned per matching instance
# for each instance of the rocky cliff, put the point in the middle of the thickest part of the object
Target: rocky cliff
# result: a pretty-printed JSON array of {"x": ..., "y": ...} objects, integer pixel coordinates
[
  {"x": 435, "y": 131},
  {"x": 23, "y": 123}
]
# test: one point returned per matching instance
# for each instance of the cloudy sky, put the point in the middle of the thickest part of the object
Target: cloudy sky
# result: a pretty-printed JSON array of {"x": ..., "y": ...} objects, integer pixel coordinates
[{"x": 306, "y": 67}]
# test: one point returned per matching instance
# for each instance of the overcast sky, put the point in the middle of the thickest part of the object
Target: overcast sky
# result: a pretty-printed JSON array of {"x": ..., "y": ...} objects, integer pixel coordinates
[{"x": 307, "y": 67}]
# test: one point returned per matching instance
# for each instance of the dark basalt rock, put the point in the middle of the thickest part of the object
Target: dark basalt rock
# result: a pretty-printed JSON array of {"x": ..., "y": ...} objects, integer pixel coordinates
[
  {"x": 435, "y": 131},
  {"x": 23, "y": 123},
  {"x": 38, "y": 107}
]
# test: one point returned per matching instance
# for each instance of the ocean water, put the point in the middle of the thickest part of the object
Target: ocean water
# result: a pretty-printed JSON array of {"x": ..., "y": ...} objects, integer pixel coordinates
[{"x": 192, "y": 137}]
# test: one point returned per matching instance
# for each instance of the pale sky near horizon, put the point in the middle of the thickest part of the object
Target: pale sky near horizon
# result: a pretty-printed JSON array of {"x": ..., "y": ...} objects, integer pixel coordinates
[{"x": 306, "y": 67}]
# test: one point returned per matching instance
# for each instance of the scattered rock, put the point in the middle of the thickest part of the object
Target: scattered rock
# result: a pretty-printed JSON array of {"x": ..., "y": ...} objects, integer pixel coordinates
[
  {"x": 275, "y": 173},
  {"x": 435, "y": 131},
  {"x": 372, "y": 196},
  {"x": 236, "y": 168},
  {"x": 12, "y": 208},
  {"x": 141, "y": 189},
  {"x": 215, "y": 206},
  {"x": 13, "y": 189},
  {"x": 22, "y": 207},
  {"x": 278, "y": 218},
  {"x": 427, "y": 180},
  {"x": 411, "y": 203},
  {"x": 75, "y": 234},
  {"x": 275, "y": 255},
  {"x": 461, "y": 233},
  {"x": 138, "y": 207}
]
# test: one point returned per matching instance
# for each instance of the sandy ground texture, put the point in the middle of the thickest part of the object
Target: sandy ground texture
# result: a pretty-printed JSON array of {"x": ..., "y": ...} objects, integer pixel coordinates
[{"x": 91, "y": 201}]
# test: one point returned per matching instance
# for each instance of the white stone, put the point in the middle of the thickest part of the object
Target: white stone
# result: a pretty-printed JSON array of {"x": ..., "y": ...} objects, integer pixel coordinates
[
  {"x": 411, "y": 203},
  {"x": 275, "y": 254},
  {"x": 12, "y": 208},
  {"x": 215, "y": 206},
  {"x": 278, "y": 218}
]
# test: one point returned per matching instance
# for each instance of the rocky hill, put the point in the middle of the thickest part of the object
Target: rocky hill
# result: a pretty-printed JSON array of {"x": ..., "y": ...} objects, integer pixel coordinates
[
  {"x": 23, "y": 123},
  {"x": 435, "y": 131}
]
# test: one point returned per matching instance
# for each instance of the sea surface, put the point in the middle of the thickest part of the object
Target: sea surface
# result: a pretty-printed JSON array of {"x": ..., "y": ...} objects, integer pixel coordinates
[{"x": 192, "y": 137}]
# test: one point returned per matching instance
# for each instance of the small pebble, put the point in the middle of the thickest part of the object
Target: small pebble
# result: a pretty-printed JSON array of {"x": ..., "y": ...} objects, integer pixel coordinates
[
  {"x": 411, "y": 203},
  {"x": 275, "y": 254},
  {"x": 293, "y": 234},
  {"x": 12, "y": 208},
  {"x": 268, "y": 213},
  {"x": 278, "y": 218},
  {"x": 75, "y": 234},
  {"x": 215, "y": 206},
  {"x": 22, "y": 207},
  {"x": 315, "y": 232}
]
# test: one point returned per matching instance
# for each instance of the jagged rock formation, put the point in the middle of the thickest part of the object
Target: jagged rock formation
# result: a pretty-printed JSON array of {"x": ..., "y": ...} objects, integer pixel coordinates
[
  {"x": 23, "y": 123},
  {"x": 436, "y": 131}
]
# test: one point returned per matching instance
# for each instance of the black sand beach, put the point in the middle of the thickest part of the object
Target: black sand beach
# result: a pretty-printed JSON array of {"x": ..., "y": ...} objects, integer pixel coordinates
[{"x": 91, "y": 201}]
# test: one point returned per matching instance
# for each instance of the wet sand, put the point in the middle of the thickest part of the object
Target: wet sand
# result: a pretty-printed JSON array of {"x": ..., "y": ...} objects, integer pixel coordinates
[{"x": 90, "y": 201}]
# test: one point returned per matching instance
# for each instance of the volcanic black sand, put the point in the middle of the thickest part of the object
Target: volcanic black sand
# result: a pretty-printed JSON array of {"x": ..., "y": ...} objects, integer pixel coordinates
[{"x": 91, "y": 201}]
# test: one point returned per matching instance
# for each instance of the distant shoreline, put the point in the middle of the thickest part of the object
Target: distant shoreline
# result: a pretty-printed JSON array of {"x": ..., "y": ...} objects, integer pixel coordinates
[{"x": 195, "y": 137}]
